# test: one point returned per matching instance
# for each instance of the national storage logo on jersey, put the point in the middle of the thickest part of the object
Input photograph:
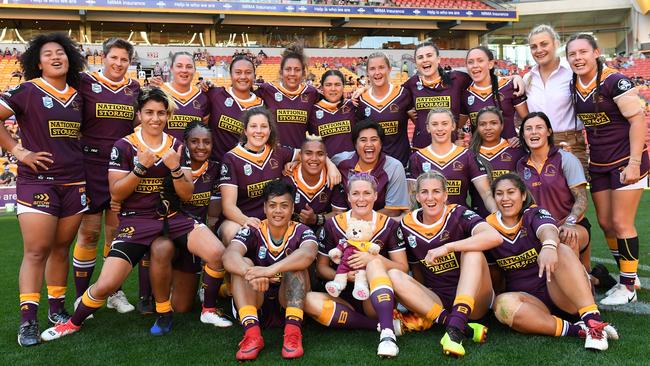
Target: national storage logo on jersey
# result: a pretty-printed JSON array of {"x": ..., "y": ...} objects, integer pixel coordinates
[
  {"x": 257, "y": 189},
  {"x": 230, "y": 124},
  {"x": 443, "y": 264},
  {"x": 180, "y": 121},
  {"x": 522, "y": 260},
  {"x": 390, "y": 127},
  {"x": 334, "y": 128},
  {"x": 291, "y": 116},
  {"x": 200, "y": 199},
  {"x": 594, "y": 119},
  {"x": 64, "y": 128},
  {"x": 116, "y": 111},
  {"x": 442, "y": 101},
  {"x": 453, "y": 187},
  {"x": 149, "y": 185}
]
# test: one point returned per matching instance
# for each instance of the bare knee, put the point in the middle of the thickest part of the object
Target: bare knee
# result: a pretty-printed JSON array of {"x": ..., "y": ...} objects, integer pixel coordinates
[
  {"x": 506, "y": 306},
  {"x": 103, "y": 289},
  {"x": 313, "y": 303},
  {"x": 162, "y": 250},
  {"x": 397, "y": 278},
  {"x": 36, "y": 255},
  {"x": 88, "y": 234}
]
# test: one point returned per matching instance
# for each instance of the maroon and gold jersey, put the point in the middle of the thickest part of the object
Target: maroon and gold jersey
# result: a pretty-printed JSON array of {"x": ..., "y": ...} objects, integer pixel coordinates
[
  {"x": 250, "y": 172},
  {"x": 459, "y": 166},
  {"x": 608, "y": 131},
  {"x": 475, "y": 98},
  {"x": 318, "y": 196},
  {"x": 387, "y": 233},
  {"x": 191, "y": 106},
  {"x": 517, "y": 255},
  {"x": 144, "y": 200},
  {"x": 291, "y": 110},
  {"x": 390, "y": 113},
  {"x": 456, "y": 223},
  {"x": 334, "y": 122},
  {"x": 226, "y": 118},
  {"x": 206, "y": 180},
  {"x": 50, "y": 120},
  {"x": 426, "y": 96},
  {"x": 502, "y": 159},
  {"x": 108, "y": 113},
  {"x": 261, "y": 249}
]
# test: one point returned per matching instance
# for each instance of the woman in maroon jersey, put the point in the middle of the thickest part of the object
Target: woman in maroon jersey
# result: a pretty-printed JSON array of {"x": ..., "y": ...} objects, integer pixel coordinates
[{"x": 51, "y": 181}]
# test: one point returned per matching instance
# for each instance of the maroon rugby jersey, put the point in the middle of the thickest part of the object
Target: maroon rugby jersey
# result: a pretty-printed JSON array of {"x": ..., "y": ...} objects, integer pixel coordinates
[
  {"x": 205, "y": 180},
  {"x": 390, "y": 113},
  {"x": 459, "y": 166},
  {"x": 144, "y": 200},
  {"x": 250, "y": 172},
  {"x": 551, "y": 183},
  {"x": 426, "y": 96},
  {"x": 456, "y": 223},
  {"x": 226, "y": 115},
  {"x": 475, "y": 98},
  {"x": 291, "y": 110},
  {"x": 261, "y": 249},
  {"x": 502, "y": 159},
  {"x": 49, "y": 120},
  {"x": 318, "y": 196},
  {"x": 192, "y": 105},
  {"x": 608, "y": 131},
  {"x": 334, "y": 122},
  {"x": 109, "y": 111},
  {"x": 517, "y": 255},
  {"x": 387, "y": 233}
]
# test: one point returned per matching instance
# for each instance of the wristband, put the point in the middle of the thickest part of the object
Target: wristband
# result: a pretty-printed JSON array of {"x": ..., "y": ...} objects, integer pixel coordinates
[
  {"x": 177, "y": 176},
  {"x": 139, "y": 170},
  {"x": 549, "y": 242},
  {"x": 19, "y": 152},
  {"x": 177, "y": 169},
  {"x": 320, "y": 219}
]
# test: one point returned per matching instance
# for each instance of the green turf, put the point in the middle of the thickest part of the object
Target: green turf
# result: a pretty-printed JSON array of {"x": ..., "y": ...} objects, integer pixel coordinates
[{"x": 113, "y": 338}]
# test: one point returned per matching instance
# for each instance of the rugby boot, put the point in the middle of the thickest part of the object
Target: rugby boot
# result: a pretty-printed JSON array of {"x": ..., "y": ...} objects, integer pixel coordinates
[
  {"x": 215, "y": 317},
  {"x": 163, "y": 324},
  {"x": 58, "y": 318},
  {"x": 28, "y": 334},
  {"x": 596, "y": 336},
  {"x": 452, "y": 342},
  {"x": 478, "y": 332},
  {"x": 387, "y": 344},
  {"x": 119, "y": 302},
  {"x": 292, "y": 346},
  {"x": 620, "y": 296},
  {"x": 145, "y": 306},
  {"x": 251, "y": 345},
  {"x": 60, "y": 330}
]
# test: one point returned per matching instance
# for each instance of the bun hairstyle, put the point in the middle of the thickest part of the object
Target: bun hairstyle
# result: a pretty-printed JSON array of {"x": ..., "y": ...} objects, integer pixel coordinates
[{"x": 294, "y": 51}]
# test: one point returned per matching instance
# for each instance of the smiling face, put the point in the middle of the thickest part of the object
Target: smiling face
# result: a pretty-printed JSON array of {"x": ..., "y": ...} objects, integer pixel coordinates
[
  {"x": 543, "y": 47},
  {"x": 257, "y": 132},
  {"x": 378, "y": 71},
  {"x": 312, "y": 157},
  {"x": 183, "y": 70},
  {"x": 333, "y": 89},
  {"x": 278, "y": 210},
  {"x": 292, "y": 73},
  {"x": 199, "y": 143},
  {"x": 536, "y": 133},
  {"x": 242, "y": 75},
  {"x": 509, "y": 199},
  {"x": 489, "y": 127},
  {"x": 479, "y": 65},
  {"x": 431, "y": 196},
  {"x": 440, "y": 126},
  {"x": 153, "y": 117},
  {"x": 368, "y": 146},
  {"x": 427, "y": 61},
  {"x": 53, "y": 61},
  {"x": 582, "y": 58},
  {"x": 116, "y": 63},
  {"x": 362, "y": 198}
]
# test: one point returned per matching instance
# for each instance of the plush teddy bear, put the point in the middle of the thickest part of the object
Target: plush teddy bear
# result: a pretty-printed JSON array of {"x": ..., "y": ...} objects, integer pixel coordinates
[{"x": 358, "y": 236}]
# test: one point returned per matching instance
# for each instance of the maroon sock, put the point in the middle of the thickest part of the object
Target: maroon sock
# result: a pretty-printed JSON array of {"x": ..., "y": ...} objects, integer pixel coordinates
[
  {"x": 212, "y": 281},
  {"x": 458, "y": 317},
  {"x": 83, "y": 311},
  {"x": 573, "y": 331},
  {"x": 82, "y": 276},
  {"x": 443, "y": 318},
  {"x": 28, "y": 311},
  {"x": 346, "y": 317},
  {"x": 143, "y": 277},
  {"x": 56, "y": 304},
  {"x": 383, "y": 301}
]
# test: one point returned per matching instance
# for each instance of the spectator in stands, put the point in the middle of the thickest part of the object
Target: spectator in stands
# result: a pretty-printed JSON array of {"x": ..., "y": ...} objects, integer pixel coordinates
[
  {"x": 145, "y": 83},
  {"x": 7, "y": 52},
  {"x": 165, "y": 72},
  {"x": 7, "y": 177}
]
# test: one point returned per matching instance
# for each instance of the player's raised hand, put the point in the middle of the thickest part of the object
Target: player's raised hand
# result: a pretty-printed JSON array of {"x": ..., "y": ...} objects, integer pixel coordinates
[
  {"x": 307, "y": 215},
  {"x": 146, "y": 157},
  {"x": 171, "y": 158}
]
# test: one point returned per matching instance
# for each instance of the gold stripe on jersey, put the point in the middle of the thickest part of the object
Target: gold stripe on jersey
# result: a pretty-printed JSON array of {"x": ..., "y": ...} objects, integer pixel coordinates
[
  {"x": 303, "y": 188},
  {"x": 259, "y": 160},
  {"x": 274, "y": 250},
  {"x": 510, "y": 234},
  {"x": 109, "y": 84},
  {"x": 286, "y": 92},
  {"x": 196, "y": 174},
  {"x": 381, "y": 222},
  {"x": 432, "y": 84},
  {"x": 134, "y": 140},
  {"x": 442, "y": 162},
  {"x": 491, "y": 152},
  {"x": 585, "y": 91},
  {"x": 484, "y": 94},
  {"x": 62, "y": 97},
  {"x": 181, "y": 98},
  {"x": 379, "y": 106},
  {"x": 327, "y": 106},
  {"x": 427, "y": 232}
]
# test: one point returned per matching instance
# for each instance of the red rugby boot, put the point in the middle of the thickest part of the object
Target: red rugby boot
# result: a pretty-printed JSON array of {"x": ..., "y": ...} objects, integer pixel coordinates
[
  {"x": 251, "y": 345},
  {"x": 292, "y": 346}
]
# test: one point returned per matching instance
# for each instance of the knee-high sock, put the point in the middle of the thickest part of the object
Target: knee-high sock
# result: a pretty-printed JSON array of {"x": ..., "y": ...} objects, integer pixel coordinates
[
  {"x": 212, "y": 280},
  {"x": 383, "y": 301},
  {"x": 143, "y": 277},
  {"x": 83, "y": 265},
  {"x": 564, "y": 328},
  {"x": 463, "y": 305},
  {"x": 56, "y": 298},
  {"x": 248, "y": 317},
  {"x": 612, "y": 244},
  {"x": 588, "y": 313},
  {"x": 293, "y": 316},
  {"x": 164, "y": 307},
  {"x": 336, "y": 315},
  {"x": 628, "y": 250},
  {"x": 87, "y": 306},
  {"x": 29, "y": 306}
]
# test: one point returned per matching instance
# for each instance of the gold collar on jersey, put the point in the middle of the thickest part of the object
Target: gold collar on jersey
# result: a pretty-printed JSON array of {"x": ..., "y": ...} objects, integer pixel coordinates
[
  {"x": 114, "y": 86},
  {"x": 285, "y": 91},
  {"x": 252, "y": 102},
  {"x": 258, "y": 160},
  {"x": 485, "y": 93},
  {"x": 309, "y": 191},
  {"x": 380, "y": 220},
  {"x": 427, "y": 232},
  {"x": 181, "y": 98},
  {"x": 431, "y": 84},
  {"x": 62, "y": 96},
  {"x": 586, "y": 90},
  {"x": 327, "y": 106},
  {"x": 508, "y": 233},
  {"x": 491, "y": 152},
  {"x": 196, "y": 174},
  {"x": 441, "y": 161},
  {"x": 136, "y": 141},
  {"x": 379, "y": 105},
  {"x": 268, "y": 242}
]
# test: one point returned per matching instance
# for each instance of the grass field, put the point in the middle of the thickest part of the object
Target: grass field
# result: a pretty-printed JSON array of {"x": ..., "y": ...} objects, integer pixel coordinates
[{"x": 113, "y": 338}]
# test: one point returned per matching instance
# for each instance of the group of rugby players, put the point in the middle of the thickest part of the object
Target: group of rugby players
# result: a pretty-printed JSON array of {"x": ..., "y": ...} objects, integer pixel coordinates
[{"x": 262, "y": 187}]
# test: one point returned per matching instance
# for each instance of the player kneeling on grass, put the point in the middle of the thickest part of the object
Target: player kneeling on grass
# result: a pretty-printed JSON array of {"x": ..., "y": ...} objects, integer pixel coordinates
[
  {"x": 451, "y": 280},
  {"x": 269, "y": 272},
  {"x": 544, "y": 279},
  {"x": 139, "y": 165}
]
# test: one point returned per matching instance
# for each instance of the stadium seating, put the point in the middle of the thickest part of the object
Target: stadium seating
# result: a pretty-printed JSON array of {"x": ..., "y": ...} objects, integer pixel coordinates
[{"x": 444, "y": 4}]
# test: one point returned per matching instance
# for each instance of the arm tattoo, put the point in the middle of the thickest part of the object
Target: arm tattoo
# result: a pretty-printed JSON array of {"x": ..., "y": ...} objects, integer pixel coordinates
[
  {"x": 296, "y": 286},
  {"x": 580, "y": 197}
]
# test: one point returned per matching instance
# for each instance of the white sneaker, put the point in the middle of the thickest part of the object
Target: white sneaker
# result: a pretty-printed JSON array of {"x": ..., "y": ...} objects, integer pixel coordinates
[
  {"x": 215, "y": 317},
  {"x": 119, "y": 302},
  {"x": 76, "y": 304},
  {"x": 619, "y": 296},
  {"x": 612, "y": 333},
  {"x": 596, "y": 337},
  {"x": 387, "y": 344},
  {"x": 637, "y": 283}
]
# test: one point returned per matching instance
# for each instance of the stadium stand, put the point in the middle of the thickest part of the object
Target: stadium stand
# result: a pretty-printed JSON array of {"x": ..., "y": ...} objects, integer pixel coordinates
[{"x": 443, "y": 4}]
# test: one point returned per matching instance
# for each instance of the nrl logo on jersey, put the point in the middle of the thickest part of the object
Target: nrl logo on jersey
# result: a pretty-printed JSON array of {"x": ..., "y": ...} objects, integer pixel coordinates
[
  {"x": 248, "y": 169},
  {"x": 426, "y": 167},
  {"x": 367, "y": 111},
  {"x": 278, "y": 97},
  {"x": 229, "y": 101},
  {"x": 470, "y": 100},
  {"x": 261, "y": 254},
  {"x": 319, "y": 114},
  {"x": 96, "y": 88},
  {"x": 48, "y": 102},
  {"x": 114, "y": 153},
  {"x": 419, "y": 85},
  {"x": 412, "y": 241}
]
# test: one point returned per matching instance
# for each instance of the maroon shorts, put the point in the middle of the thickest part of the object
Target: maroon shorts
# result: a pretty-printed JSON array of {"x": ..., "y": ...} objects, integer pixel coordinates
[
  {"x": 187, "y": 262},
  {"x": 55, "y": 199},
  {"x": 545, "y": 297},
  {"x": 446, "y": 294},
  {"x": 99, "y": 197},
  {"x": 145, "y": 229},
  {"x": 604, "y": 178}
]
